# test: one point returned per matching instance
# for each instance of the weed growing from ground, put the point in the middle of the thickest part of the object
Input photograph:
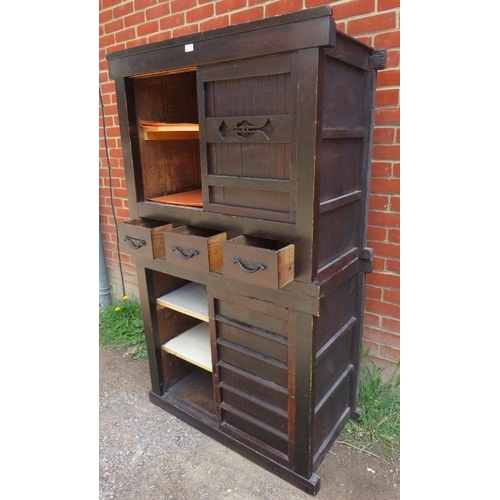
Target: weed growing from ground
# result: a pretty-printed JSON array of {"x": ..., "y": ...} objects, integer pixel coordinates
[{"x": 121, "y": 327}]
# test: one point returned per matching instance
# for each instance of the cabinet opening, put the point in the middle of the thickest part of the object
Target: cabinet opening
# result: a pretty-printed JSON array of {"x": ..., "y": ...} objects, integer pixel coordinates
[
  {"x": 185, "y": 344},
  {"x": 166, "y": 113}
]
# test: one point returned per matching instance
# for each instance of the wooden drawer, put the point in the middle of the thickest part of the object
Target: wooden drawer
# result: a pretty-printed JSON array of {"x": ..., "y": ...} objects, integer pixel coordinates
[
  {"x": 144, "y": 237},
  {"x": 194, "y": 247},
  {"x": 259, "y": 261}
]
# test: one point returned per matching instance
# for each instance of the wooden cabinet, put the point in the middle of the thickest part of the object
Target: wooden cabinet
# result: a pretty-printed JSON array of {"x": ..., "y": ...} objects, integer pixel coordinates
[{"x": 247, "y": 153}]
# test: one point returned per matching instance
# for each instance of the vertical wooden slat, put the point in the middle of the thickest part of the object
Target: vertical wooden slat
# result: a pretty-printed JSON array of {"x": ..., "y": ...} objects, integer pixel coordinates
[{"x": 305, "y": 137}]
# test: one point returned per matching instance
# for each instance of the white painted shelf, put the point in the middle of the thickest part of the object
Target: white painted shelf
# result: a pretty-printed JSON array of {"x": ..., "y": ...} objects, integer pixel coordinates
[
  {"x": 193, "y": 345},
  {"x": 191, "y": 299}
]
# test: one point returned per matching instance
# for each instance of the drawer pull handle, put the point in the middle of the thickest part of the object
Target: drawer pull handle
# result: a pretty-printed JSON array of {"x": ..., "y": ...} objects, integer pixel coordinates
[
  {"x": 185, "y": 253},
  {"x": 249, "y": 269},
  {"x": 135, "y": 243}
]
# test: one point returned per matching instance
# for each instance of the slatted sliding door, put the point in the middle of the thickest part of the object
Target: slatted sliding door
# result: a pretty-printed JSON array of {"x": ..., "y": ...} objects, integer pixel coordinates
[{"x": 246, "y": 148}]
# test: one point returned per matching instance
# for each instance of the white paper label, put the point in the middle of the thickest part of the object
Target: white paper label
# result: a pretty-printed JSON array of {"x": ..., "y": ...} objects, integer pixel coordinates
[{"x": 188, "y": 47}]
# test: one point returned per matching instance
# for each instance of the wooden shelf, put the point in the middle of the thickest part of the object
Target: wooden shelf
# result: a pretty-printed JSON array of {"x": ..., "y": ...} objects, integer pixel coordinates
[
  {"x": 193, "y": 345},
  {"x": 161, "y": 131},
  {"x": 185, "y": 199},
  {"x": 191, "y": 299}
]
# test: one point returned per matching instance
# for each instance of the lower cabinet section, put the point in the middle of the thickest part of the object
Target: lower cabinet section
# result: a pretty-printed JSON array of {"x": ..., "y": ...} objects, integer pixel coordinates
[{"x": 274, "y": 383}]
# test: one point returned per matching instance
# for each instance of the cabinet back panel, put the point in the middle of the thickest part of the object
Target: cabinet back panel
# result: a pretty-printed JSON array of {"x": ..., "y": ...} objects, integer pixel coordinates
[{"x": 168, "y": 166}]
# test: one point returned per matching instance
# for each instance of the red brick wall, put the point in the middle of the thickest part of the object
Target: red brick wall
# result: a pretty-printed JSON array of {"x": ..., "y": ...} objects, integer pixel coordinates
[{"x": 128, "y": 23}]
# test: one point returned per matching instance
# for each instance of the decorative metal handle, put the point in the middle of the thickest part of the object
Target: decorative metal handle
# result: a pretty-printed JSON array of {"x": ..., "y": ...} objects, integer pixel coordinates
[
  {"x": 249, "y": 269},
  {"x": 245, "y": 129},
  {"x": 185, "y": 253},
  {"x": 135, "y": 243}
]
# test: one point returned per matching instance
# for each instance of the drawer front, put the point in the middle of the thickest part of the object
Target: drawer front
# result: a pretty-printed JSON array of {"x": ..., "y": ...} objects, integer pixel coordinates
[
  {"x": 195, "y": 248},
  {"x": 258, "y": 261},
  {"x": 143, "y": 237}
]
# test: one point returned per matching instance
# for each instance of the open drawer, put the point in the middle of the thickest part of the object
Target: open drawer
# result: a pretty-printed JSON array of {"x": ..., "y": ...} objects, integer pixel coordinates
[
  {"x": 144, "y": 237},
  {"x": 194, "y": 247},
  {"x": 259, "y": 261}
]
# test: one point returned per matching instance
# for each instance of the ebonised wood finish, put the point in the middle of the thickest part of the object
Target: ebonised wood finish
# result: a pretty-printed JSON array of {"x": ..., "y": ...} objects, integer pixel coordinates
[{"x": 285, "y": 111}]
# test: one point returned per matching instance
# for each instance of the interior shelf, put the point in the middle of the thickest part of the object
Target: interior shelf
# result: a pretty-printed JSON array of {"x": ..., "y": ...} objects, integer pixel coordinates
[
  {"x": 186, "y": 199},
  {"x": 191, "y": 299},
  {"x": 160, "y": 131},
  {"x": 193, "y": 345}
]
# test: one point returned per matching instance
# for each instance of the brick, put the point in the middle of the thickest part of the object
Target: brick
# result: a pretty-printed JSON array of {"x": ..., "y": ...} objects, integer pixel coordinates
[
  {"x": 386, "y": 249},
  {"x": 392, "y": 296},
  {"x": 180, "y": 5},
  {"x": 203, "y": 12},
  {"x": 386, "y": 97},
  {"x": 371, "y": 319},
  {"x": 386, "y": 152},
  {"x": 398, "y": 135},
  {"x": 107, "y": 41},
  {"x": 185, "y": 30},
  {"x": 277, "y": 8},
  {"x": 161, "y": 10},
  {"x": 387, "y": 4},
  {"x": 171, "y": 21},
  {"x": 388, "y": 40},
  {"x": 394, "y": 204},
  {"x": 123, "y": 10},
  {"x": 143, "y": 4},
  {"x": 387, "y": 219},
  {"x": 389, "y": 186},
  {"x": 374, "y": 292},
  {"x": 394, "y": 235},
  {"x": 379, "y": 202},
  {"x": 353, "y": 8},
  {"x": 390, "y": 353},
  {"x": 381, "y": 337},
  {"x": 214, "y": 23},
  {"x": 383, "y": 279},
  {"x": 396, "y": 169},
  {"x": 392, "y": 266},
  {"x": 314, "y": 3},
  {"x": 226, "y": 5},
  {"x": 391, "y": 324},
  {"x": 388, "y": 78},
  {"x": 383, "y": 308},
  {"x": 105, "y": 16},
  {"x": 137, "y": 42},
  {"x": 107, "y": 4},
  {"x": 381, "y": 169},
  {"x": 113, "y": 26},
  {"x": 387, "y": 116},
  {"x": 384, "y": 135},
  {"x": 376, "y": 233},
  {"x": 247, "y": 15},
  {"x": 393, "y": 59},
  {"x": 371, "y": 347},
  {"x": 134, "y": 19},
  {"x": 158, "y": 37},
  {"x": 370, "y": 24},
  {"x": 148, "y": 28},
  {"x": 125, "y": 35},
  {"x": 378, "y": 262},
  {"x": 254, "y": 2}
]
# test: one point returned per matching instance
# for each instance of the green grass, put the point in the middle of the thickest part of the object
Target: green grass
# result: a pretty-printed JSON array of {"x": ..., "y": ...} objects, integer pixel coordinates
[
  {"x": 378, "y": 428},
  {"x": 121, "y": 327}
]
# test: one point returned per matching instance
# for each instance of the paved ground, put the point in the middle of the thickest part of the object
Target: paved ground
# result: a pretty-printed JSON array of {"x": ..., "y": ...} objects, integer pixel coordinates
[{"x": 148, "y": 454}]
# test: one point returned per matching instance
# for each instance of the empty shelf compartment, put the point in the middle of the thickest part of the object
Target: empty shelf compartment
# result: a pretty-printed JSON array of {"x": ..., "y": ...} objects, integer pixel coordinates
[
  {"x": 193, "y": 345},
  {"x": 191, "y": 299}
]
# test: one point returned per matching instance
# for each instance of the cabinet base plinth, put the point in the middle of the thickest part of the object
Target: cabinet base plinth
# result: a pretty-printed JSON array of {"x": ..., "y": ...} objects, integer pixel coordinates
[{"x": 208, "y": 427}]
